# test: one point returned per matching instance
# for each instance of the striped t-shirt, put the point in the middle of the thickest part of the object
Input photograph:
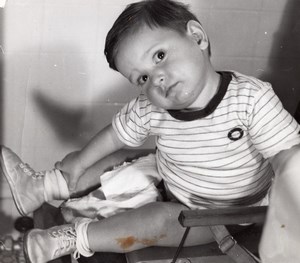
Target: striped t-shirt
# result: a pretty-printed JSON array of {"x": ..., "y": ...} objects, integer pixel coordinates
[{"x": 217, "y": 156}]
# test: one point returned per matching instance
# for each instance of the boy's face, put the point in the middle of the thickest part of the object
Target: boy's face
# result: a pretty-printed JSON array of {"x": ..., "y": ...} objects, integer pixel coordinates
[{"x": 171, "y": 68}]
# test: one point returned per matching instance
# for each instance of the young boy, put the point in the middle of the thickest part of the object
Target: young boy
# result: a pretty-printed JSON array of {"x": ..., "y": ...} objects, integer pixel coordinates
[{"x": 221, "y": 138}]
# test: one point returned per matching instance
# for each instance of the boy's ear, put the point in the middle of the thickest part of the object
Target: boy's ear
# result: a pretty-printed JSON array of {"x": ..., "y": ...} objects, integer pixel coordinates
[{"x": 196, "y": 31}]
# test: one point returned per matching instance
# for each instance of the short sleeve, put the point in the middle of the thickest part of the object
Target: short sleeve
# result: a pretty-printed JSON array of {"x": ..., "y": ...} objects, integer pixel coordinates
[
  {"x": 271, "y": 127},
  {"x": 132, "y": 122}
]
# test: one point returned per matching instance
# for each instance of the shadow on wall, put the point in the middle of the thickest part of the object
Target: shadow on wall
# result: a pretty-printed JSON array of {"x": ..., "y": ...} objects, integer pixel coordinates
[
  {"x": 284, "y": 62},
  {"x": 73, "y": 124},
  {"x": 69, "y": 125}
]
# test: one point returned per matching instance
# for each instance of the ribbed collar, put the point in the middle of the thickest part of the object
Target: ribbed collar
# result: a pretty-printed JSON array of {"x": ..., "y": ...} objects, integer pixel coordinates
[{"x": 226, "y": 77}]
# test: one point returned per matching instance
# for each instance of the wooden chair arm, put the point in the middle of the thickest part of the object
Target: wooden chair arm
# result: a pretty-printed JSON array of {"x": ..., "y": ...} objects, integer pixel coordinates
[{"x": 222, "y": 216}]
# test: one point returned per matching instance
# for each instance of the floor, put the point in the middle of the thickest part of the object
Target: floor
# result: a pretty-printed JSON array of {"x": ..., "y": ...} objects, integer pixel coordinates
[
  {"x": 11, "y": 250},
  {"x": 11, "y": 241},
  {"x": 8, "y": 257}
]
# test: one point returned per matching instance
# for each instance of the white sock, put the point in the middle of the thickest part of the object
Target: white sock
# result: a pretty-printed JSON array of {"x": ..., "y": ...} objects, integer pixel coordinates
[
  {"x": 55, "y": 186},
  {"x": 82, "y": 243}
]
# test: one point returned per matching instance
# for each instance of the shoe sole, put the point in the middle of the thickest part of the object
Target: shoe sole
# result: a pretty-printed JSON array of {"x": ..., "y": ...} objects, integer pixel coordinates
[
  {"x": 25, "y": 242},
  {"x": 11, "y": 187}
]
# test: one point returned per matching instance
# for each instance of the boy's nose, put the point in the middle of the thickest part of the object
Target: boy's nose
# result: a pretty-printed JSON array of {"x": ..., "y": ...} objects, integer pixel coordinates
[{"x": 158, "y": 80}]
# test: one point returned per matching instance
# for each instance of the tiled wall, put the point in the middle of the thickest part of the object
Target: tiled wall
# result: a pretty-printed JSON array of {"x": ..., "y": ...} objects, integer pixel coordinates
[{"x": 57, "y": 89}]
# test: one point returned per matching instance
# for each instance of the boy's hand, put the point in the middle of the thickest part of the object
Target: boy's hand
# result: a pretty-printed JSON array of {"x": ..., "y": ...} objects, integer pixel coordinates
[{"x": 71, "y": 169}]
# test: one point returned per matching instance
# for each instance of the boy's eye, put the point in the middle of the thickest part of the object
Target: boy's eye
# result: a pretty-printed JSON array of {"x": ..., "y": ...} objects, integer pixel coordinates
[
  {"x": 160, "y": 56},
  {"x": 143, "y": 79}
]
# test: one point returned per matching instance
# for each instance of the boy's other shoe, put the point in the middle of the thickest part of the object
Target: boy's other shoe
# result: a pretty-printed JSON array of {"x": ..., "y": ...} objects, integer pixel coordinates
[
  {"x": 45, "y": 245},
  {"x": 26, "y": 185}
]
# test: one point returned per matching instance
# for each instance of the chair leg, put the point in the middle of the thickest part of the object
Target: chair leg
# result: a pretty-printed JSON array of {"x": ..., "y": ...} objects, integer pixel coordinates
[{"x": 228, "y": 245}]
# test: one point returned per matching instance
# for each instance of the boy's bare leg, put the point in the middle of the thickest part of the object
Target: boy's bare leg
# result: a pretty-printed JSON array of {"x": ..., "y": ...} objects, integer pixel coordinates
[
  {"x": 155, "y": 224},
  {"x": 90, "y": 180}
]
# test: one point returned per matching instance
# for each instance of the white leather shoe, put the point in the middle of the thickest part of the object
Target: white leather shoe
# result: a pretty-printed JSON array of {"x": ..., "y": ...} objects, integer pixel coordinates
[
  {"x": 26, "y": 185},
  {"x": 42, "y": 246}
]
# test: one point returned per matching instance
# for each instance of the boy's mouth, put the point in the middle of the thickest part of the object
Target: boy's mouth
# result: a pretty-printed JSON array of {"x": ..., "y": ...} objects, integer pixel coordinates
[{"x": 170, "y": 89}]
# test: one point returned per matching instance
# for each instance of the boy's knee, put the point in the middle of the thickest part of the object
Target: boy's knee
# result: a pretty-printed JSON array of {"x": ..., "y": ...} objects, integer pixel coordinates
[{"x": 164, "y": 213}]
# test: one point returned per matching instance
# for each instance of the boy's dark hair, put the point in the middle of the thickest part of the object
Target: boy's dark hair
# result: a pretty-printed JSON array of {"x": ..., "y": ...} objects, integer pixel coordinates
[{"x": 152, "y": 13}]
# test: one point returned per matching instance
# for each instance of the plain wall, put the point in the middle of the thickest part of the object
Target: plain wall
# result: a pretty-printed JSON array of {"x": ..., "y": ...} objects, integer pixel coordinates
[{"x": 57, "y": 89}]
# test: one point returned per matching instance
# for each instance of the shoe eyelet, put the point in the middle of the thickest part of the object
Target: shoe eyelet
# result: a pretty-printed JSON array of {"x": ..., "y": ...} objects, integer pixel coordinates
[{"x": 22, "y": 165}]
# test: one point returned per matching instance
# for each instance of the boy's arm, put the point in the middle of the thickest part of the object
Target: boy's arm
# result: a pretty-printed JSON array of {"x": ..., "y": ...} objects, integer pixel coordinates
[
  {"x": 280, "y": 236},
  {"x": 76, "y": 163},
  {"x": 287, "y": 162},
  {"x": 102, "y": 144}
]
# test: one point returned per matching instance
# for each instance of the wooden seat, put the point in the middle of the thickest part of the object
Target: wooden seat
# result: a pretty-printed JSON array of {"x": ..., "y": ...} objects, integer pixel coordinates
[{"x": 224, "y": 216}]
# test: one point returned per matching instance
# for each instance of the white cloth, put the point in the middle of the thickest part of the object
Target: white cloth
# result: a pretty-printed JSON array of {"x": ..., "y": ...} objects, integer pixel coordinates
[
  {"x": 56, "y": 187},
  {"x": 128, "y": 186}
]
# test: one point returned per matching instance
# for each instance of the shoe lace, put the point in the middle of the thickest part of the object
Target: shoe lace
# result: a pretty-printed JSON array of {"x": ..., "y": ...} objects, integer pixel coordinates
[
  {"x": 30, "y": 172},
  {"x": 66, "y": 238}
]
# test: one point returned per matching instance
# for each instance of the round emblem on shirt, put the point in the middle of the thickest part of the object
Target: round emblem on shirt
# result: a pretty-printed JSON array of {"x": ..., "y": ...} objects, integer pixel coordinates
[{"x": 235, "y": 134}]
